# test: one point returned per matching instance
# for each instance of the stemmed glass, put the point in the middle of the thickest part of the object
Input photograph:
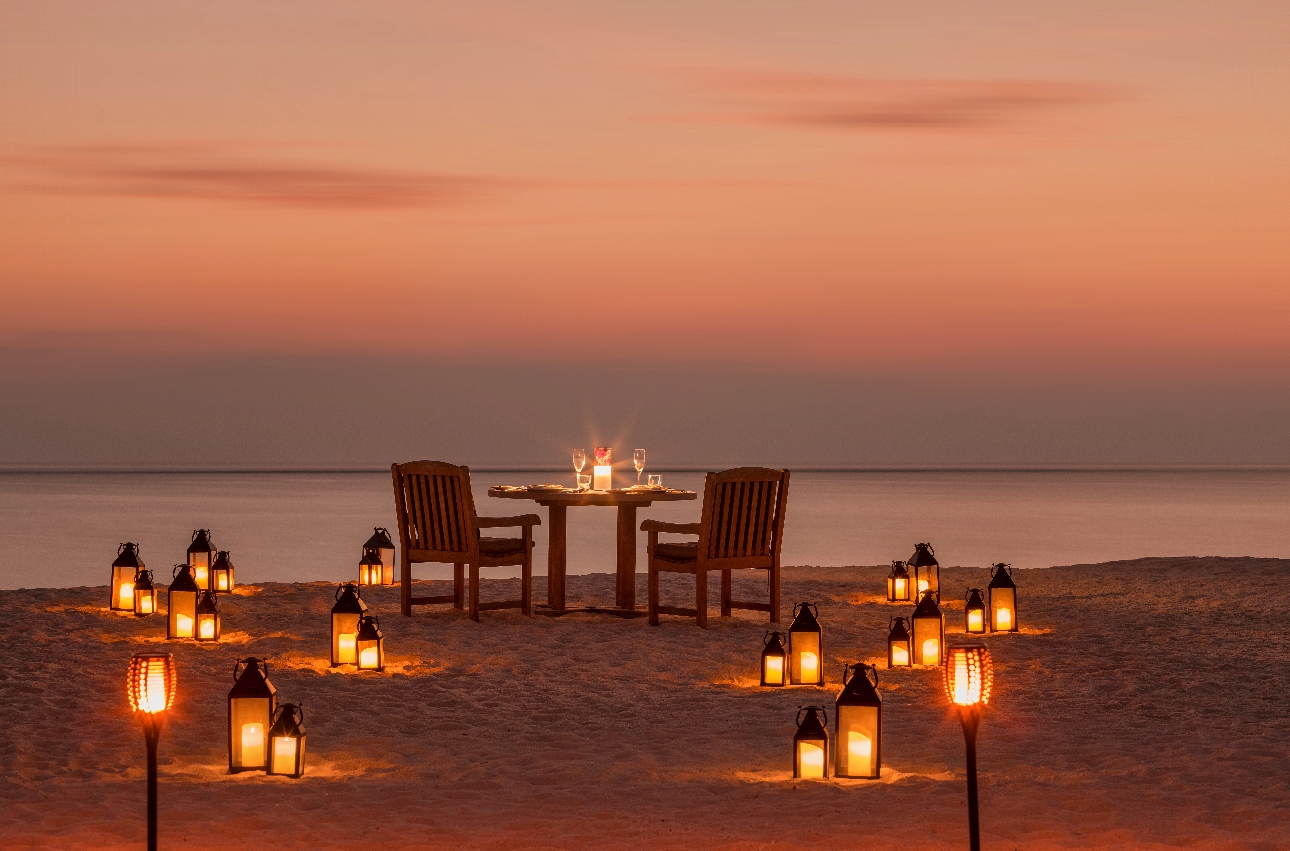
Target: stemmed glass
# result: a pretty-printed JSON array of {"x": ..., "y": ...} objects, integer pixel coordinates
[
  {"x": 579, "y": 461},
  {"x": 638, "y": 458}
]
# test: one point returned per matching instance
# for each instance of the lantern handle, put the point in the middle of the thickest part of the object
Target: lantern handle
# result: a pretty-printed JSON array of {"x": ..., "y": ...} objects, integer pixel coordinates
[
  {"x": 819, "y": 709},
  {"x": 174, "y": 574},
  {"x": 770, "y": 633},
  {"x": 341, "y": 586}
]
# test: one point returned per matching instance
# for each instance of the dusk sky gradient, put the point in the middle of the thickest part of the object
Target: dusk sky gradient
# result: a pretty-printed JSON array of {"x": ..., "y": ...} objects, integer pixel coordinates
[{"x": 746, "y": 232}]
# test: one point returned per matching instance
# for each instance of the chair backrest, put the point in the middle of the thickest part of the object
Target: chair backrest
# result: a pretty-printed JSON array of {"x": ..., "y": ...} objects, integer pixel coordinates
[
  {"x": 743, "y": 516},
  {"x": 436, "y": 511}
]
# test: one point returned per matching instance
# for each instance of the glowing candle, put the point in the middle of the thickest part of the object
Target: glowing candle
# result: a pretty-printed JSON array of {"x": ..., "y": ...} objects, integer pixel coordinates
[
  {"x": 922, "y": 586},
  {"x": 252, "y": 740},
  {"x": 284, "y": 755},
  {"x": 811, "y": 759},
  {"x": 1002, "y": 618},
  {"x": 127, "y": 596},
  {"x": 368, "y": 658},
  {"x": 200, "y": 576},
  {"x": 899, "y": 656},
  {"x": 900, "y": 589},
  {"x": 206, "y": 627},
  {"x": 810, "y": 667},
  {"x": 183, "y": 626},
  {"x": 931, "y": 652},
  {"x": 345, "y": 647},
  {"x": 775, "y": 669},
  {"x": 602, "y": 478},
  {"x": 974, "y": 621},
  {"x": 859, "y": 746},
  {"x": 145, "y": 605},
  {"x": 222, "y": 584}
]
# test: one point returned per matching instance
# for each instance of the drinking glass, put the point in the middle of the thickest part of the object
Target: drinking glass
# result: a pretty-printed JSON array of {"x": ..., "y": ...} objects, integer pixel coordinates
[
  {"x": 638, "y": 458},
  {"x": 579, "y": 461},
  {"x": 655, "y": 481},
  {"x": 584, "y": 482}
]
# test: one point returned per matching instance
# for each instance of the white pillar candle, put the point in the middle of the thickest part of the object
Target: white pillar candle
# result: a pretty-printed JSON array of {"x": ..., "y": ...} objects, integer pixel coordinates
[
  {"x": 207, "y": 628},
  {"x": 860, "y": 749},
  {"x": 774, "y": 669},
  {"x": 183, "y": 626},
  {"x": 284, "y": 755},
  {"x": 345, "y": 648},
  {"x": 974, "y": 621},
  {"x": 899, "y": 655},
  {"x": 145, "y": 604},
  {"x": 810, "y": 758},
  {"x": 126, "y": 593},
  {"x": 252, "y": 741},
  {"x": 901, "y": 593},
  {"x": 602, "y": 478},
  {"x": 931, "y": 652},
  {"x": 922, "y": 586},
  {"x": 1002, "y": 619},
  {"x": 810, "y": 667},
  {"x": 368, "y": 658}
]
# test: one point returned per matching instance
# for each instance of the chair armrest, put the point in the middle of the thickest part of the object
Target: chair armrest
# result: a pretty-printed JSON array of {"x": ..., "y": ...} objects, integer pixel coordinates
[
  {"x": 519, "y": 520},
  {"x": 677, "y": 528}
]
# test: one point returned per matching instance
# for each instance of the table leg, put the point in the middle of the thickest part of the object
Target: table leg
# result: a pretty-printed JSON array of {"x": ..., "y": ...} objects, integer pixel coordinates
[
  {"x": 626, "y": 557},
  {"x": 555, "y": 555}
]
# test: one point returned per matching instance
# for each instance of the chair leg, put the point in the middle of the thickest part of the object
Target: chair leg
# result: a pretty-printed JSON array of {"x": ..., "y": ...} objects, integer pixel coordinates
[
  {"x": 774, "y": 593},
  {"x": 459, "y": 586},
  {"x": 701, "y": 597},
  {"x": 653, "y": 579},
  {"x": 474, "y": 593},
  {"x": 405, "y": 588},
  {"x": 725, "y": 593},
  {"x": 526, "y": 592}
]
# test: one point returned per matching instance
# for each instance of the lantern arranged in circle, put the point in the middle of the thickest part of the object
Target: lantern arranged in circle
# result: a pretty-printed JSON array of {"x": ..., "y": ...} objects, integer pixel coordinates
[
  {"x": 974, "y": 613},
  {"x": 345, "y": 615},
  {"x": 1003, "y": 599},
  {"x": 287, "y": 741},
  {"x": 927, "y": 572},
  {"x": 384, "y": 546},
  {"x": 201, "y": 555},
  {"x": 811, "y": 744},
  {"x": 370, "y": 644},
  {"x": 898, "y": 583},
  {"x": 857, "y": 747},
  {"x": 899, "y": 644},
  {"x": 222, "y": 573},
  {"x": 207, "y": 618},
  {"x": 805, "y": 647},
  {"x": 773, "y": 657},
  {"x": 369, "y": 568},
  {"x": 252, "y": 703},
  {"x": 181, "y": 604},
  {"x": 928, "y": 631},
  {"x": 124, "y": 571},
  {"x": 145, "y": 594}
]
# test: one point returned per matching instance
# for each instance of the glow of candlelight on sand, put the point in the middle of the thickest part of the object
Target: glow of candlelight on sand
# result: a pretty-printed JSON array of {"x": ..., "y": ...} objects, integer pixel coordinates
[{"x": 811, "y": 759}]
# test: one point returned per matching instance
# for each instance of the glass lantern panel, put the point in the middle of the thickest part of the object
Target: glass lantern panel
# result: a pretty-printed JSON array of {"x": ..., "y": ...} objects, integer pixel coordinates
[
  {"x": 899, "y": 657},
  {"x": 284, "y": 755},
  {"x": 387, "y": 566},
  {"x": 201, "y": 565},
  {"x": 1003, "y": 609},
  {"x": 344, "y": 636},
  {"x": 810, "y": 760},
  {"x": 773, "y": 670},
  {"x": 369, "y": 655},
  {"x": 207, "y": 627},
  {"x": 145, "y": 602},
  {"x": 248, "y": 721},
  {"x": 857, "y": 742},
  {"x": 183, "y": 614},
  {"x": 927, "y": 641},
  {"x": 975, "y": 620},
  {"x": 123, "y": 588},
  {"x": 804, "y": 663}
]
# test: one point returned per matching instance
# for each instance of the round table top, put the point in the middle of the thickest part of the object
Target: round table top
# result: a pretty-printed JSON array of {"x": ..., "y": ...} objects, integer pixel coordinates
[{"x": 569, "y": 496}]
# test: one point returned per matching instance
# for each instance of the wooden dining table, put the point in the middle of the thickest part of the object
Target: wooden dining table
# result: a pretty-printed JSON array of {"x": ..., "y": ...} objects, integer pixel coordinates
[{"x": 558, "y": 502}]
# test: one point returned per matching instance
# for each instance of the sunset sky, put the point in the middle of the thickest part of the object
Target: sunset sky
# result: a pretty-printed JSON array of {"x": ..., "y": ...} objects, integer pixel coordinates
[{"x": 808, "y": 233}]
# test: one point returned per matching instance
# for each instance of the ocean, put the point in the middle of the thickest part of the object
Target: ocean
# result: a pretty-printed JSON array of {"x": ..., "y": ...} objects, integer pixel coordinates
[{"x": 62, "y": 529}]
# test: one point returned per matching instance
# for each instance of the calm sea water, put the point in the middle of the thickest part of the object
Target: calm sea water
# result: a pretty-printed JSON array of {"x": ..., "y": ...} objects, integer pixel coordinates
[{"x": 62, "y": 529}]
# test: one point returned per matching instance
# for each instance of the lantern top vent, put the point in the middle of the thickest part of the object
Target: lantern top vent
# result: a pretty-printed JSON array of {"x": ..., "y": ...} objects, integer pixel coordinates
[
  {"x": 1001, "y": 576},
  {"x": 805, "y": 618},
  {"x": 183, "y": 579},
  {"x": 927, "y": 607},
  {"x": 201, "y": 542},
  {"x": 859, "y": 689},
  {"x": 348, "y": 600},
  {"x": 380, "y": 539},
  {"x": 251, "y": 679},
  {"x": 924, "y": 556},
  {"x": 127, "y": 555}
]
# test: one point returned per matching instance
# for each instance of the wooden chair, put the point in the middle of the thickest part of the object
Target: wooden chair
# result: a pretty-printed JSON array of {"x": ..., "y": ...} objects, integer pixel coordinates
[
  {"x": 742, "y": 528},
  {"x": 438, "y": 524}
]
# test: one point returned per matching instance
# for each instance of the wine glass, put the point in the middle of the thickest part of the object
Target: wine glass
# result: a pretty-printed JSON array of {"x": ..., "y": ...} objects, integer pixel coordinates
[
  {"x": 579, "y": 461},
  {"x": 638, "y": 458}
]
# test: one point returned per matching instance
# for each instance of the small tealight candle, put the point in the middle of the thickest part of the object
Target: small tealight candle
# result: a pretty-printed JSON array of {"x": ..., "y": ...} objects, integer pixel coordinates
[
  {"x": 252, "y": 738},
  {"x": 222, "y": 584},
  {"x": 1002, "y": 619},
  {"x": 810, "y": 667},
  {"x": 811, "y": 757},
  {"x": 183, "y": 626},
  {"x": 345, "y": 647}
]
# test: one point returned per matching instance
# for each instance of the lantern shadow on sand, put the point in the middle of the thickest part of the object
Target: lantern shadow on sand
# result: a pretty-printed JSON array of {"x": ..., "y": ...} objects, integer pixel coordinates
[
  {"x": 811, "y": 744},
  {"x": 124, "y": 572},
  {"x": 969, "y": 678},
  {"x": 150, "y": 687},
  {"x": 252, "y": 703},
  {"x": 857, "y": 747}
]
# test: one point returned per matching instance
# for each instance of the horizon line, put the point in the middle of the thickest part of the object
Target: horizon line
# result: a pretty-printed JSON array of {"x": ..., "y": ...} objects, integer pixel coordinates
[{"x": 870, "y": 468}]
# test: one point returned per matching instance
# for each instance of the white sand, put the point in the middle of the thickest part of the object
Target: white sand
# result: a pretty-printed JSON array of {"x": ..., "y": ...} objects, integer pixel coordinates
[{"x": 1144, "y": 706}]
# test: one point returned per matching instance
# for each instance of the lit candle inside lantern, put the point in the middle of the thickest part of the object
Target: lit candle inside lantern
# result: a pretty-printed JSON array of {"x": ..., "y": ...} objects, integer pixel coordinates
[
  {"x": 252, "y": 740},
  {"x": 207, "y": 628},
  {"x": 859, "y": 746},
  {"x": 974, "y": 621},
  {"x": 900, "y": 589},
  {"x": 222, "y": 584},
  {"x": 931, "y": 652},
  {"x": 127, "y": 596},
  {"x": 1002, "y": 619},
  {"x": 284, "y": 755},
  {"x": 145, "y": 605},
  {"x": 922, "y": 586},
  {"x": 368, "y": 658},
  {"x": 774, "y": 669},
  {"x": 345, "y": 647},
  {"x": 183, "y": 626},
  {"x": 199, "y": 574},
  {"x": 810, "y": 667},
  {"x": 811, "y": 758},
  {"x": 899, "y": 656}
]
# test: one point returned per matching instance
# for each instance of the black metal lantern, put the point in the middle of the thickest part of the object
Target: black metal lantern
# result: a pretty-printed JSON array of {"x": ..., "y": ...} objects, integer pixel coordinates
[
  {"x": 369, "y": 568},
  {"x": 927, "y": 572},
  {"x": 251, "y": 705},
  {"x": 145, "y": 594},
  {"x": 222, "y": 573},
  {"x": 287, "y": 741},
  {"x": 898, "y": 583},
  {"x": 773, "y": 657},
  {"x": 201, "y": 556},
  {"x": 1003, "y": 599},
  {"x": 207, "y": 618},
  {"x": 974, "y": 613},
  {"x": 857, "y": 748},
  {"x": 181, "y": 604},
  {"x": 928, "y": 631},
  {"x": 384, "y": 546},
  {"x": 805, "y": 647},
  {"x": 811, "y": 744},
  {"x": 370, "y": 644},
  {"x": 899, "y": 644},
  {"x": 124, "y": 571},
  {"x": 345, "y": 615}
]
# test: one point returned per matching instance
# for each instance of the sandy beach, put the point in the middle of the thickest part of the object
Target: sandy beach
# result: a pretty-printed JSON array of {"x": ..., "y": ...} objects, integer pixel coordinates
[{"x": 1142, "y": 706}]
